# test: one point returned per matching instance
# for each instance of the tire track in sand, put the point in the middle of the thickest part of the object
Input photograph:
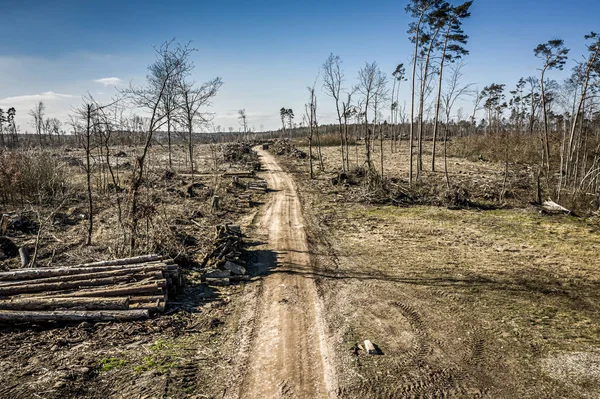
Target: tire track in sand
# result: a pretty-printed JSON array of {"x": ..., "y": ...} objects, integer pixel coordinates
[{"x": 287, "y": 352}]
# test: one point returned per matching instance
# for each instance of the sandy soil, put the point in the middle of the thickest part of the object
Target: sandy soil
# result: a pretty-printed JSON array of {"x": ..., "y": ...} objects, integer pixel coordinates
[{"x": 287, "y": 354}]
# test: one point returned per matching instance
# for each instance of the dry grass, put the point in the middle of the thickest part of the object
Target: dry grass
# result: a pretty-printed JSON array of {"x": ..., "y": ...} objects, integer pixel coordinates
[
  {"x": 481, "y": 181},
  {"x": 463, "y": 303}
]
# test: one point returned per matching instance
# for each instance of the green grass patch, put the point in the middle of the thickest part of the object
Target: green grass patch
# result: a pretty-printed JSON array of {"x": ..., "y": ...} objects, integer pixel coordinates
[{"x": 112, "y": 363}]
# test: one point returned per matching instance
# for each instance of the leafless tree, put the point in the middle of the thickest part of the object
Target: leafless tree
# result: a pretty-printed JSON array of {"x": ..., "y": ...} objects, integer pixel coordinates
[
  {"x": 88, "y": 121},
  {"x": 37, "y": 113},
  {"x": 311, "y": 120},
  {"x": 590, "y": 69},
  {"x": 191, "y": 100},
  {"x": 333, "y": 78},
  {"x": 348, "y": 111},
  {"x": 372, "y": 85},
  {"x": 243, "y": 120},
  {"x": 170, "y": 66},
  {"x": 454, "y": 91},
  {"x": 399, "y": 76}
]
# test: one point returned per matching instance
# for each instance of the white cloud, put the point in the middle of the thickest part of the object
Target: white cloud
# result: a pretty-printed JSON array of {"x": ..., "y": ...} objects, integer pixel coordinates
[
  {"x": 57, "y": 105},
  {"x": 109, "y": 81},
  {"x": 33, "y": 98}
]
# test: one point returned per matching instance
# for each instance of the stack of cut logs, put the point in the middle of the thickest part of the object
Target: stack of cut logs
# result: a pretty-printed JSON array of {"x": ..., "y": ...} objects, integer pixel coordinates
[
  {"x": 122, "y": 289},
  {"x": 223, "y": 264},
  {"x": 259, "y": 185}
]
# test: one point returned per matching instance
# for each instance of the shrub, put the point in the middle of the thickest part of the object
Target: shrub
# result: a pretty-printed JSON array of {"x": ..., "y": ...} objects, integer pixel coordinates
[{"x": 31, "y": 176}]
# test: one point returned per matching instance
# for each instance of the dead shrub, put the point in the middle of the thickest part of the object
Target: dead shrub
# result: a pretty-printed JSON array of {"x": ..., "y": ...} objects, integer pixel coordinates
[
  {"x": 456, "y": 197},
  {"x": 31, "y": 176},
  {"x": 334, "y": 140}
]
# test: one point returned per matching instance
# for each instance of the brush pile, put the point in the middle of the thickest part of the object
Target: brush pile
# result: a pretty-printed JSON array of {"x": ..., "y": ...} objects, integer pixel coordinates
[
  {"x": 239, "y": 152},
  {"x": 122, "y": 289},
  {"x": 224, "y": 263},
  {"x": 285, "y": 147}
]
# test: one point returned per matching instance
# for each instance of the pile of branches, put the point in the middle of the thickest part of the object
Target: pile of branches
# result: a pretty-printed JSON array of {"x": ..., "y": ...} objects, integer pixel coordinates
[
  {"x": 224, "y": 263},
  {"x": 239, "y": 152},
  {"x": 116, "y": 290},
  {"x": 285, "y": 147}
]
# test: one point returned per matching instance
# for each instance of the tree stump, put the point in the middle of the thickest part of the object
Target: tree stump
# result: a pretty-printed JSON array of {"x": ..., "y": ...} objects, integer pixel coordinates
[
  {"x": 214, "y": 204},
  {"x": 24, "y": 254}
]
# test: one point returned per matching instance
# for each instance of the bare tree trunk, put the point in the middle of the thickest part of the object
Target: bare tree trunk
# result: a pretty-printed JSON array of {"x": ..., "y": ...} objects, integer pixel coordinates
[
  {"x": 169, "y": 139},
  {"x": 545, "y": 116},
  {"x": 437, "y": 103},
  {"x": 191, "y": 149},
  {"x": 321, "y": 166},
  {"x": 310, "y": 154},
  {"x": 574, "y": 126},
  {"x": 422, "y": 104},
  {"x": 412, "y": 97},
  {"x": 381, "y": 148},
  {"x": 446, "y": 156},
  {"x": 392, "y": 118},
  {"x": 89, "y": 176}
]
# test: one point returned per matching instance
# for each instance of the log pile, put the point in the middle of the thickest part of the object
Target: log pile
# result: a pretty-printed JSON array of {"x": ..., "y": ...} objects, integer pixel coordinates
[
  {"x": 116, "y": 290},
  {"x": 260, "y": 185},
  {"x": 224, "y": 263},
  {"x": 249, "y": 174},
  {"x": 244, "y": 200},
  {"x": 285, "y": 147}
]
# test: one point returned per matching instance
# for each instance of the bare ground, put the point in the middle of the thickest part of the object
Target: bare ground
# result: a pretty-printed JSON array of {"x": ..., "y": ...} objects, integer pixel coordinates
[
  {"x": 186, "y": 353},
  {"x": 285, "y": 355},
  {"x": 462, "y": 303}
]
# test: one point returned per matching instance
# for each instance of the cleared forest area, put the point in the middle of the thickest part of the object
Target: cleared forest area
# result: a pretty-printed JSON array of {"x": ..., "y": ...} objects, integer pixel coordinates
[
  {"x": 462, "y": 301},
  {"x": 396, "y": 231}
]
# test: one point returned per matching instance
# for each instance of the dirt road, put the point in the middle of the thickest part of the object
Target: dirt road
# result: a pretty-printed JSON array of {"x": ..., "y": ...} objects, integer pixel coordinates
[{"x": 287, "y": 352}]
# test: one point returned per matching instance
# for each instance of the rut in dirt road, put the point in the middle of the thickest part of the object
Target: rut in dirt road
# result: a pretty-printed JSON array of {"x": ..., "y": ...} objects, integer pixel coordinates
[{"x": 287, "y": 357}]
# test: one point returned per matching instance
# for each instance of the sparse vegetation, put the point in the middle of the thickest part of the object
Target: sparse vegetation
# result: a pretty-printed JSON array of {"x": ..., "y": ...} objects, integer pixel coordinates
[{"x": 437, "y": 240}]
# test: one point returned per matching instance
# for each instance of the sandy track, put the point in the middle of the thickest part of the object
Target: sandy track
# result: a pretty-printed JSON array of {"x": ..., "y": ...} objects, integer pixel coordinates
[{"x": 286, "y": 356}]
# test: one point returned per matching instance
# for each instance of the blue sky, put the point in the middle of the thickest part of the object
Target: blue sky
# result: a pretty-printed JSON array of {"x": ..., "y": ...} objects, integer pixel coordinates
[{"x": 266, "y": 52}]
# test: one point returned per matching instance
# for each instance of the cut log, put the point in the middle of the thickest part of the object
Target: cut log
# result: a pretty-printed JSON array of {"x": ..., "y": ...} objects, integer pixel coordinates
[
  {"x": 234, "y": 268},
  {"x": 62, "y": 271},
  {"x": 553, "y": 207},
  {"x": 240, "y": 278},
  {"x": 217, "y": 274},
  {"x": 69, "y": 285},
  {"x": 24, "y": 255},
  {"x": 125, "y": 261},
  {"x": 218, "y": 281},
  {"x": 240, "y": 174},
  {"x": 73, "y": 315},
  {"x": 154, "y": 307},
  {"x": 150, "y": 288},
  {"x": 141, "y": 272},
  {"x": 66, "y": 303},
  {"x": 150, "y": 298}
]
